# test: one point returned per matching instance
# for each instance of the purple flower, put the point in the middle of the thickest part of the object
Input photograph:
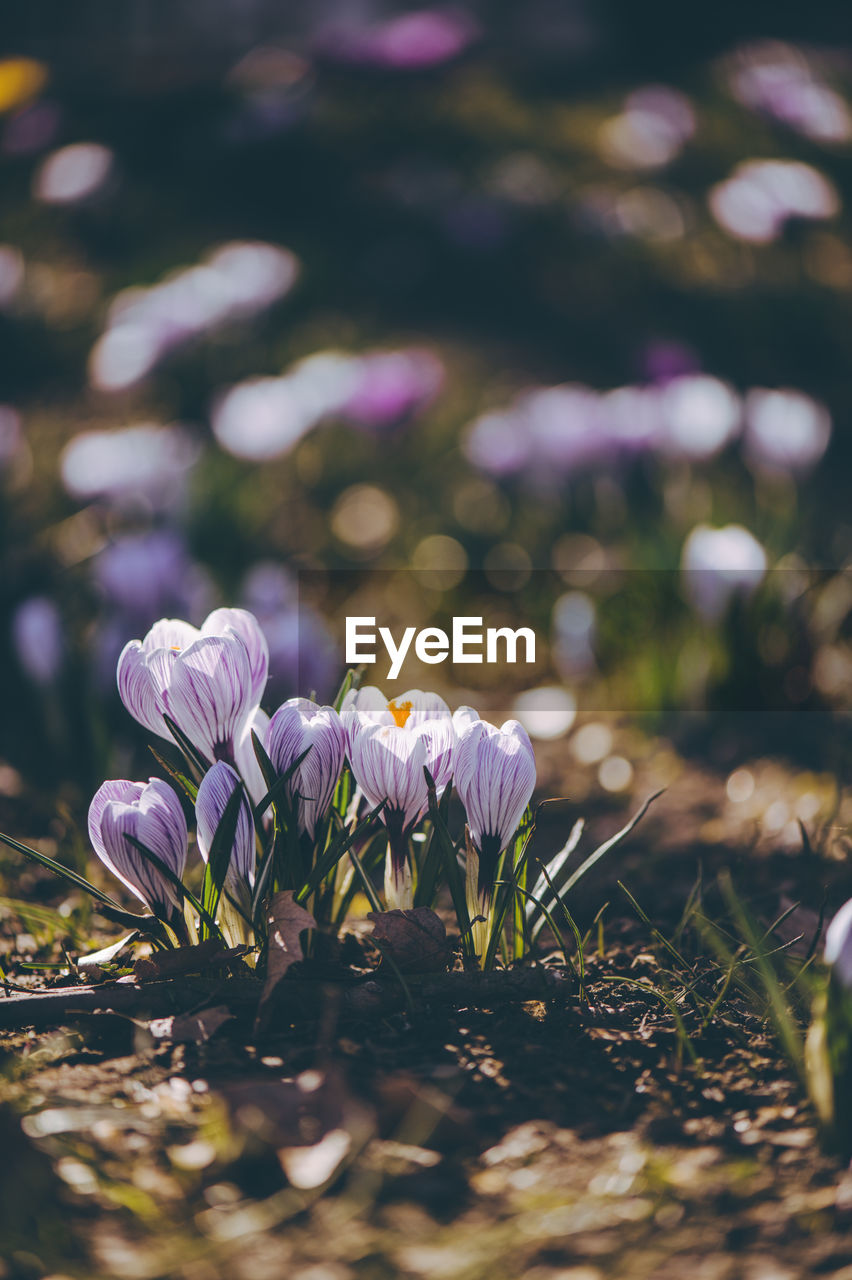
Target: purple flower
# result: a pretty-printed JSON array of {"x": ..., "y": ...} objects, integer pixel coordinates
[
  {"x": 495, "y": 777},
  {"x": 391, "y": 385},
  {"x": 153, "y": 815},
  {"x": 719, "y": 564},
  {"x": 389, "y": 744},
  {"x": 38, "y": 637},
  {"x": 210, "y": 682},
  {"x": 217, "y": 787},
  {"x": 297, "y": 726}
]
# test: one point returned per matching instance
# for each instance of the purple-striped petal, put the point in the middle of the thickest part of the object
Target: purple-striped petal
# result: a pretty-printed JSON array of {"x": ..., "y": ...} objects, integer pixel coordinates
[
  {"x": 495, "y": 778},
  {"x": 139, "y": 687},
  {"x": 210, "y": 694},
  {"x": 239, "y": 622},
  {"x": 217, "y": 787},
  {"x": 387, "y": 763},
  {"x": 153, "y": 815},
  {"x": 301, "y": 725},
  {"x": 439, "y": 738},
  {"x": 170, "y": 633}
]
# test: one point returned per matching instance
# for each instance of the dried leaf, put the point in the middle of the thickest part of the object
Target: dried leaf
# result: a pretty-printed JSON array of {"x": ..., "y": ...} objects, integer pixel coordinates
[
  {"x": 413, "y": 941},
  {"x": 182, "y": 960},
  {"x": 286, "y": 921},
  {"x": 190, "y": 1028}
]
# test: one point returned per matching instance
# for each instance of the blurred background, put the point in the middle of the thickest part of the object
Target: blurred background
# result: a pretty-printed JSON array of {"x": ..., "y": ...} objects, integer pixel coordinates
[{"x": 545, "y": 308}]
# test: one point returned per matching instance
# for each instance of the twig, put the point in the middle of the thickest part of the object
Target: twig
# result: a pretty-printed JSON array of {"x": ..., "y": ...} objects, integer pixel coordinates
[{"x": 296, "y": 999}]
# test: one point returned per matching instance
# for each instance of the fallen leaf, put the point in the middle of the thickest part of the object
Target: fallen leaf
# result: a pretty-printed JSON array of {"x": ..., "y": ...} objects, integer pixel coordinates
[
  {"x": 286, "y": 920},
  {"x": 190, "y": 1028},
  {"x": 181, "y": 960},
  {"x": 413, "y": 941},
  {"x": 106, "y": 955}
]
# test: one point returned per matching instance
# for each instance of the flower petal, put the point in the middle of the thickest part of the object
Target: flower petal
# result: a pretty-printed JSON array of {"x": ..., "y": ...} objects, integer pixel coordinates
[
  {"x": 301, "y": 725},
  {"x": 170, "y": 633},
  {"x": 210, "y": 694},
  {"x": 388, "y": 765},
  {"x": 138, "y": 688},
  {"x": 153, "y": 815},
  {"x": 239, "y": 622},
  {"x": 217, "y": 787},
  {"x": 247, "y": 760},
  {"x": 495, "y": 777}
]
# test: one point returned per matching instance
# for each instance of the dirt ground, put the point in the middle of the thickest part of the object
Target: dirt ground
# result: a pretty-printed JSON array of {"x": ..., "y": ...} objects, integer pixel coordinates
[{"x": 624, "y": 1134}]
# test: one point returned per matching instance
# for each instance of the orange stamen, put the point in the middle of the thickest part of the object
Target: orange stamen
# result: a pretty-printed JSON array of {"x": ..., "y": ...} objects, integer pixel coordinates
[{"x": 400, "y": 713}]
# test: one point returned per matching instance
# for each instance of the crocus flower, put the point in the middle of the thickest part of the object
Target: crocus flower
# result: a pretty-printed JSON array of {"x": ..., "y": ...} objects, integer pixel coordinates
[
  {"x": 210, "y": 681},
  {"x": 838, "y": 946},
  {"x": 389, "y": 744},
  {"x": 216, "y": 788},
  {"x": 152, "y": 814},
  {"x": 298, "y": 726},
  {"x": 495, "y": 777},
  {"x": 719, "y": 564}
]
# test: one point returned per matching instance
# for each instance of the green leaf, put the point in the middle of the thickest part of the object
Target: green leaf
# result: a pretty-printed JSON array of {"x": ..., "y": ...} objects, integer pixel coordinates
[
  {"x": 346, "y": 685},
  {"x": 455, "y": 879},
  {"x": 430, "y": 867},
  {"x": 219, "y": 857},
  {"x": 507, "y": 893},
  {"x": 59, "y": 870},
  {"x": 342, "y": 843},
  {"x": 193, "y": 756},
  {"x": 186, "y": 784}
]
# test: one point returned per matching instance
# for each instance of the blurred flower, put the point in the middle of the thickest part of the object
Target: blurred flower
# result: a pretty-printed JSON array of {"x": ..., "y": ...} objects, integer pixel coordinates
[
  {"x": 152, "y": 814},
  {"x": 780, "y": 81},
  {"x": 39, "y": 639},
  {"x": 838, "y": 945},
  {"x": 210, "y": 681},
  {"x": 547, "y": 712},
  {"x": 146, "y": 462},
  {"x": 264, "y": 418},
  {"x": 74, "y": 173},
  {"x": 214, "y": 792},
  {"x": 719, "y": 564},
  {"x": 700, "y": 415},
  {"x": 392, "y": 385},
  {"x": 298, "y": 726},
  {"x": 149, "y": 574},
  {"x": 785, "y": 430},
  {"x": 31, "y": 129},
  {"x": 303, "y": 656},
  {"x": 410, "y": 41},
  {"x": 574, "y": 625},
  {"x": 235, "y": 281},
  {"x": 760, "y": 196},
  {"x": 651, "y": 130}
]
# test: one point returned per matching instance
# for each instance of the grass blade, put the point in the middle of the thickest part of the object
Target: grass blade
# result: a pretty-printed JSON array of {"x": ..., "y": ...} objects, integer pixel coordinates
[{"x": 609, "y": 844}]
